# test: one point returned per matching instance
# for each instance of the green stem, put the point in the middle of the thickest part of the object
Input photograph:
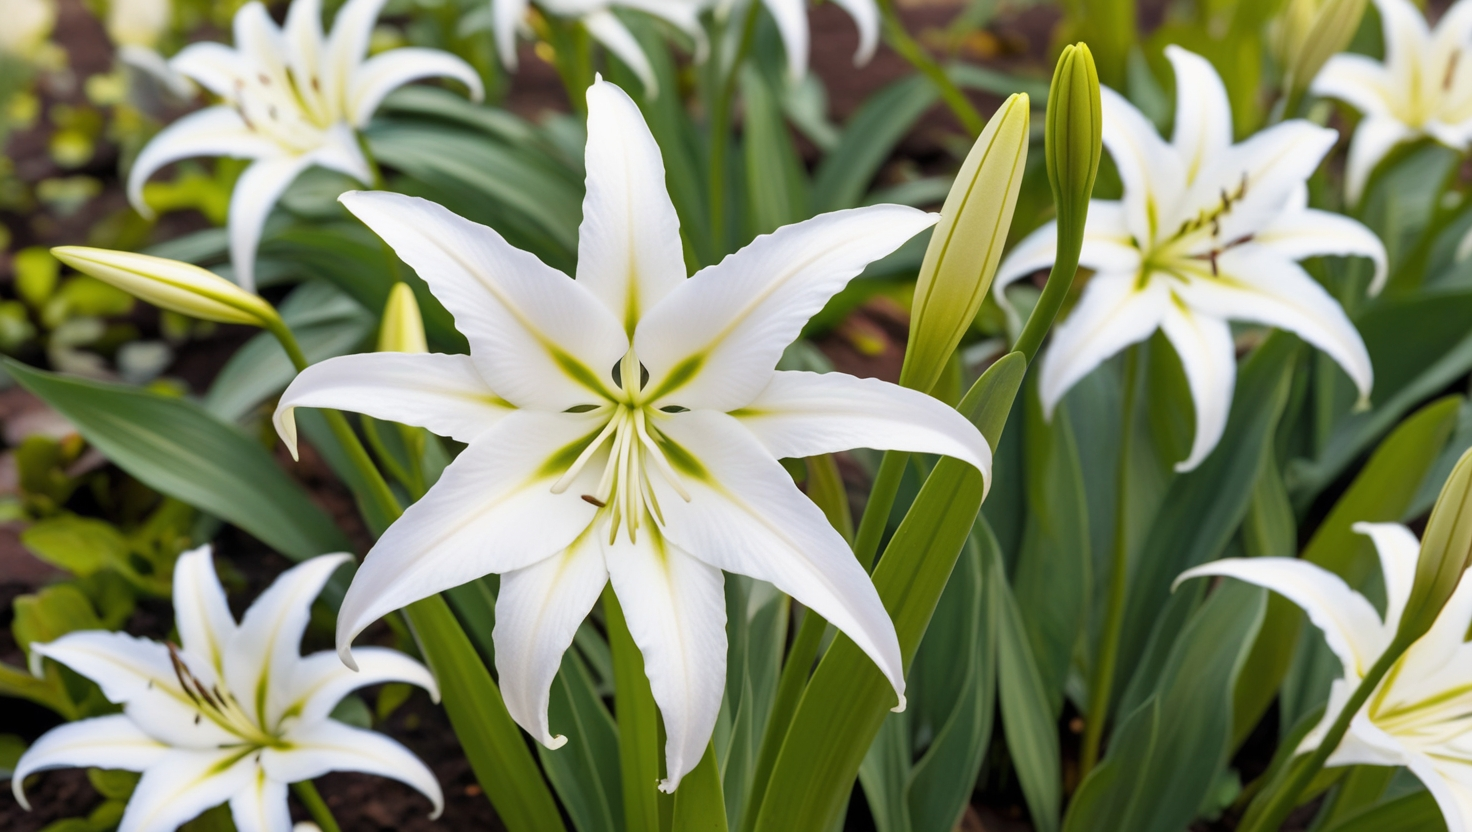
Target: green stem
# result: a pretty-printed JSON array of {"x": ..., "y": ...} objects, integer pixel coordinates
[
  {"x": 316, "y": 806},
  {"x": 899, "y": 38},
  {"x": 1286, "y": 797},
  {"x": 720, "y": 130},
  {"x": 1060, "y": 279},
  {"x": 1102, "y": 684},
  {"x": 386, "y": 457},
  {"x": 881, "y": 502}
]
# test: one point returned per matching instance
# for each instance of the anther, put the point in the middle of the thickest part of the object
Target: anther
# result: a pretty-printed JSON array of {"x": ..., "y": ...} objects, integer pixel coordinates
[{"x": 589, "y": 498}]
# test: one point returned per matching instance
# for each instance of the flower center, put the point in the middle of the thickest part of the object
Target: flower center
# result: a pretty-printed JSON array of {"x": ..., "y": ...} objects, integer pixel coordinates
[
  {"x": 1197, "y": 239},
  {"x": 625, "y": 494},
  {"x": 219, "y": 706},
  {"x": 278, "y": 110}
]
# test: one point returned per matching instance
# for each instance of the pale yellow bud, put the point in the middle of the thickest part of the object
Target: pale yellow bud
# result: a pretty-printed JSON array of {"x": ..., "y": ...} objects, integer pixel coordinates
[
  {"x": 1446, "y": 549},
  {"x": 138, "y": 22},
  {"x": 28, "y": 24},
  {"x": 403, "y": 327},
  {"x": 170, "y": 284}
]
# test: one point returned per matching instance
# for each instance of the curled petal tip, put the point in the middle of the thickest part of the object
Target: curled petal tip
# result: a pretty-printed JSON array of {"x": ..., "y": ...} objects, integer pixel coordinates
[
  {"x": 1362, "y": 403},
  {"x": 668, "y": 785},
  {"x": 900, "y": 708},
  {"x": 555, "y": 742},
  {"x": 345, "y": 653}
]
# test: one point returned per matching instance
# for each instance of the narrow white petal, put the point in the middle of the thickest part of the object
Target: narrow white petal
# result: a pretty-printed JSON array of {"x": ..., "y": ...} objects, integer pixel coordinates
[
  {"x": 1111, "y": 314},
  {"x": 791, "y": 17},
  {"x": 1203, "y": 114},
  {"x": 1359, "y": 81},
  {"x": 746, "y": 516},
  {"x": 492, "y": 510},
  {"x": 1450, "y": 783},
  {"x": 681, "y": 14},
  {"x": 527, "y": 323},
  {"x": 805, "y": 414},
  {"x": 303, "y": 32},
  {"x": 1407, "y": 44},
  {"x": 442, "y": 393},
  {"x": 261, "y": 805},
  {"x": 1204, "y": 344},
  {"x": 629, "y": 250},
  {"x": 267, "y": 646},
  {"x": 1305, "y": 232},
  {"x": 1108, "y": 247},
  {"x": 676, "y": 610},
  {"x": 382, "y": 74},
  {"x": 213, "y": 131},
  {"x": 1350, "y": 624},
  {"x": 105, "y": 742},
  {"x": 180, "y": 785},
  {"x": 1036, "y": 251},
  {"x": 259, "y": 41},
  {"x": 332, "y": 746},
  {"x": 1363, "y": 744},
  {"x": 319, "y": 681},
  {"x": 213, "y": 66},
  {"x": 866, "y": 16},
  {"x": 713, "y": 341},
  {"x": 1261, "y": 174},
  {"x": 1456, "y": 135},
  {"x": 201, "y": 613},
  {"x": 507, "y": 15},
  {"x": 1399, "y": 550},
  {"x": 1450, "y": 40},
  {"x": 340, "y": 151},
  {"x": 605, "y": 26},
  {"x": 538, "y": 611},
  {"x": 1373, "y": 139},
  {"x": 123, "y": 666},
  {"x": 255, "y": 195},
  {"x": 1261, "y": 286},
  {"x": 347, "y": 45},
  {"x": 1437, "y": 662},
  {"x": 1154, "y": 178}
]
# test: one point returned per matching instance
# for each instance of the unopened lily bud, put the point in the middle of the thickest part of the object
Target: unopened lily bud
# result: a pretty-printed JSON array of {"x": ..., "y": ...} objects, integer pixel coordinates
[
  {"x": 1312, "y": 32},
  {"x": 170, "y": 284},
  {"x": 1445, "y": 550},
  {"x": 1074, "y": 137},
  {"x": 966, "y": 244},
  {"x": 403, "y": 327}
]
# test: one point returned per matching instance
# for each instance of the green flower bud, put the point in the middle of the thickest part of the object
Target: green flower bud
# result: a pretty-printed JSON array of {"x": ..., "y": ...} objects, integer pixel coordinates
[
  {"x": 1445, "y": 551},
  {"x": 1310, "y": 33},
  {"x": 1074, "y": 138},
  {"x": 966, "y": 245},
  {"x": 403, "y": 328},
  {"x": 170, "y": 284}
]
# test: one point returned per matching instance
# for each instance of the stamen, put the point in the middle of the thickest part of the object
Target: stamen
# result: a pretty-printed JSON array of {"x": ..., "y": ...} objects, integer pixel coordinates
[
  {"x": 577, "y": 465},
  {"x": 659, "y": 458}
]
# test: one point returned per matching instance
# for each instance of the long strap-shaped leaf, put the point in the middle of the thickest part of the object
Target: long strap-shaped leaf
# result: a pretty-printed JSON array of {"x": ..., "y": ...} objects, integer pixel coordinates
[{"x": 847, "y": 699}]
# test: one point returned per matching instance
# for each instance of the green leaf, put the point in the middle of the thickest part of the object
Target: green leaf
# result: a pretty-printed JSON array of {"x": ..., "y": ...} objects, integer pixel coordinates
[
  {"x": 776, "y": 183},
  {"x": 50, "y": 614},
  {"x": 885, "y": 772},
  {"x": 1416, "y": 812},
  {"x": 698, "y": 801},
  {"x": 584, "y": 772},
  {"x": 868, "y": 140},
  {"x": 177, "y": 448},
  {"x": 493, "y": 743},
  {"x": 80, "y": 545},
  {"x": 638, "y": 723}
]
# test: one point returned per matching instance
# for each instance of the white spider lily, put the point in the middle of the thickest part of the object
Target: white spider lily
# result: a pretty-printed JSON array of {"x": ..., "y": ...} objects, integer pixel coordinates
[
  {"x": 792, "y": 23},
  {"x": 235, "y": 713},
  {"x": 1207, "y": 231},
  {"x": 1418, "y": 716},
  {"x": 292, "y": 99},
  {"x": 1424, "y": 87},
  {"x": 626, "y": 426},
  {"x": 601, "y": 22}
]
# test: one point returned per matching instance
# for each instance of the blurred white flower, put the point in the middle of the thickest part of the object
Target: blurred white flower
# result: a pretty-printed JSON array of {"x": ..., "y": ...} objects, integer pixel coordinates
[
  {"x": 1418, "y": 716},
  {"x": 138, "y": 22},
  {"x": 1424, "y": 87},
  {"x": 28, "y": 23},
  {"x": 1208, "y": 231},
  {"x": 627, "y": 426},
  {"x": 292, "y": 98},
  {"x": 792, "y": 23},
  {"x": 235, "y": 713}
]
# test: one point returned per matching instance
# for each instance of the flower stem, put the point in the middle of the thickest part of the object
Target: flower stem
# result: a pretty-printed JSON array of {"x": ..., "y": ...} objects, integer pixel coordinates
[
  {"x": 321, "y": 815},
  {"x": 1286, "y": 796},
  {"x": 720, "y": 131},
  {"x": 900, "y": 39},
  {"x": 881, "y": 502},
  {"x": 1102, "y": 684}
]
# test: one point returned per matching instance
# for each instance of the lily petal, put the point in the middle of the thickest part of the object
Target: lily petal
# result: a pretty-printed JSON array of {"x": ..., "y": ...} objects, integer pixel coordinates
[
  {"x": 1407, "y": 43},
  {"x": 201, "y": 613},
  {"x": 605, "y": 26},
  {"x": 713, "y": 341},
  {"x": 213, "y": 131},
  {"x": 629, "y": 251},
  {"x": 508, "y": 15},
  {"x": 746, "y": 516},
  {"x": 866, "y": 16},
  {"x": 303, "y": 32},
  {"x": 538, "y": 611},
  {"x": 332, "y": 746},
  {"x": 214, "y": 66},
  {"x": 1450, "y": 784},
  {"x": 1350, "y": 625},
  {"x": 676, "y": 610},
  {"x": 267, "y": 646},
  {"x": 261, "y": 805},
  {"x": 255, "y": 195},
  {"x": 1363, "y": 744},
  {"x": 1399, "y": 551},
  {"x": 1359, "y": 81},
  {"x": 538, "y": 338},
  {"x": 1306, "y": 232},
  {"x": 1260, "y": 174},
  {"x": 805, "y": 414},
  {"x": 1373, "y": 139},
  {"x": 346, "y": 47},
  {"x": 382, "y": 74},
  {"x": 180, "y": 785},
  {"x": 1261, "y": 286},
  {"x": 260, "y": 41},
  {"x": 1204, "y": 344},
  {"x": 319, "y": 681},
  {"x": 1108, "y": 247},
  {"x": 791, "y": 17},
  {"x": 1154, "y": 178},
  {"x": 341, "y": 152},
  {"x": 1111, "y": 314},
  {"x": 444, "y": 394},
  {"x": 104, "y": 742},
  {"x": 1203, "y": 115},
  {"x": 492, "y": 510}
]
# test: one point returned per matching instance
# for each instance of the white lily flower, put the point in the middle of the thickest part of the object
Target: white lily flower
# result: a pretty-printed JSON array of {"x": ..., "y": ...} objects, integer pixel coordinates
[
  {"x": 292, "y": 99},
  {"x": 601, "y": 22},
  {"x": 1420, "y": 715},
  {"x": 792, "y": 23},
  {"x": 626, "y": 426},
  {"x": 235, "y": 714},
  {"x": 1423, "y": 88},
  {"x": 1208, "y": 231}
]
